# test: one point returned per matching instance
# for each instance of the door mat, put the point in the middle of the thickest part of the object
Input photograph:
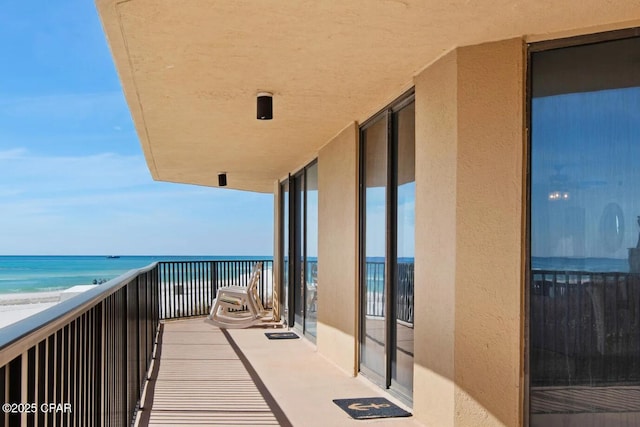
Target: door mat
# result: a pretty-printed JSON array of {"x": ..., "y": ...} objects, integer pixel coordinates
[
  {"x": 281, "y": 335},
  {"x": 370, "y": 407}
]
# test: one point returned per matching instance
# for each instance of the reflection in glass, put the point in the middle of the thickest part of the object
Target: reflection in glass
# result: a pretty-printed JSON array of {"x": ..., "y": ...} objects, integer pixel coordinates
[
  {"x": 284, "y": 292},
  {"x": 311, "y": 280},
  {"x": 299, "y": 238},
  {"x": 372, "y": 354},
  {"x": 402, "y": 363},
  {"x": 584, "y": 308}
]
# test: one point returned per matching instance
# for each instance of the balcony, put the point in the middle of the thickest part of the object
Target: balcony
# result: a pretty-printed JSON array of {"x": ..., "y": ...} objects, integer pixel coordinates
[{"x": 140, "y": 350}]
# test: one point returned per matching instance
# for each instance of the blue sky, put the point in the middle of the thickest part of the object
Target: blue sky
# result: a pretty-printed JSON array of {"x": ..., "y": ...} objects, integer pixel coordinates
[
  {"x": 73, "y": 179},
  {"x": 585, "y": 145}
]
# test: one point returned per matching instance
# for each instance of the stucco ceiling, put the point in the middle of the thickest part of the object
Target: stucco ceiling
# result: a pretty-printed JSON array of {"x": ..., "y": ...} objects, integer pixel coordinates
[{"x": 190, "y": 70}]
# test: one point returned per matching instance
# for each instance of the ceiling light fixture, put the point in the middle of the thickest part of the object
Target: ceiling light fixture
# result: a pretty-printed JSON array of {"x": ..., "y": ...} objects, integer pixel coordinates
[{"x": 265, "y": 106}]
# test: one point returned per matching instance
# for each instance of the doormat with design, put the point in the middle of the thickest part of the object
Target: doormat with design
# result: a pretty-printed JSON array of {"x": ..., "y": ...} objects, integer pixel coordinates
[
  {"x": 281, "y": 335},
  {"x": 370, "y": 407}
]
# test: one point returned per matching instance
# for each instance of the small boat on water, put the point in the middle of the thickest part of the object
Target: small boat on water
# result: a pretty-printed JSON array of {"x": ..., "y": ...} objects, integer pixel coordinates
[{"x": 113, "y": 256}]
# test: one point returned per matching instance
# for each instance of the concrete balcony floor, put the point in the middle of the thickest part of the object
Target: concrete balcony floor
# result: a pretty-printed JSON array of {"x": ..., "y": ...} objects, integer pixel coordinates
[{"x": 207, "y": 376}]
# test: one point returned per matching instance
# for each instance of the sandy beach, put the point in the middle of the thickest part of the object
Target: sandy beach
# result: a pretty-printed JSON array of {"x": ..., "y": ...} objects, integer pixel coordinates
[{"x": 15, "y": 307}]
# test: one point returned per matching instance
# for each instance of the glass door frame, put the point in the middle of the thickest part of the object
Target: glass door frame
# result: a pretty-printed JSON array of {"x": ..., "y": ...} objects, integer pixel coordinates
[
  {"x": 391, "y": 240},
  {"x": 297, "y": 250},
  {"x": 531, "y": 49},
  {"x": 285, "y": 253},
  {"x": 297, "y": 247}
]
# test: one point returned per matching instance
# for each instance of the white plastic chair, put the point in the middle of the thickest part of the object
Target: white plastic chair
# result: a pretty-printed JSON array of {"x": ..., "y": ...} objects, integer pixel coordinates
[{"x": 239, "y": 306}]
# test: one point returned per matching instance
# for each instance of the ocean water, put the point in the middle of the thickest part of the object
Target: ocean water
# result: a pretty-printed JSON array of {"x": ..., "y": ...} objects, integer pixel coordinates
[
  {"x": 52, "y": 273},
  {"x": 593, "y": 265}
]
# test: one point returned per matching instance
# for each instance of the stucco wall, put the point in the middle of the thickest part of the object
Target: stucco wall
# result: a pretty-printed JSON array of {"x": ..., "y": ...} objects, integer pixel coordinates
[
  {"x": 337, "y": 249},
  {"x": 435, "y": 252},
  {"x": 469, "y": 222},
  {"x": 489, "y": 268}
]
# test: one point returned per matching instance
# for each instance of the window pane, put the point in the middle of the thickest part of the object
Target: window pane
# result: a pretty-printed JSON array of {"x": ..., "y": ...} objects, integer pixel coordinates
[
  {"x": 284, "y": 292},
  {"x": 584, "y": 298},
  {"x": 402, "y": 364},
  {"x": 298, "y": 281},
  {"x": 375, "y": 177},
  {"x": 311, "y": 313}
]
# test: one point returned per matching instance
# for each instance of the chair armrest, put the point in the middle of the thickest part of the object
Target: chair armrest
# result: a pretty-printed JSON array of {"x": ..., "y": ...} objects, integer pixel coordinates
[{"x": 232, "y": 292}]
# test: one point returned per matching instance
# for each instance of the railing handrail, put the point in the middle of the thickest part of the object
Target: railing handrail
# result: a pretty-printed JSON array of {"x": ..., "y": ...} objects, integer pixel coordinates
[{"x": 20, "y": 336}]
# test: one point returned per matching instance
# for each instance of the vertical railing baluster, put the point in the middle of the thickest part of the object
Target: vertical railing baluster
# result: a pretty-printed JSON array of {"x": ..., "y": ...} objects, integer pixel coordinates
[
  {"x": 190, "y": 302},
  {"x": 195, "y": 289},
  {"x": 603, "y": 359},
  {"x": 188, "y": 275},
  {"x": 14, "y": 382},
  {"x": 68, "y": 386},
  {"x": 195, "y": 311},
  {"x": 42, "y": 382},
  {"x": 30, "y": 383},
  {"x": 184, "y": 300},
  {"x": 176, "y": 288},
  {"x": 171, "y": 292},
  {"x": 618, "y": 336},
  {"x": 205, "y": 286},
  {"x": 165, "y": 293},
  {"x": 224, "y": 281},
  {"x": 198, "y": 286},
  {"x": 4, "y": 415},
  {"x": 176, "y": 291},
  {"x": 214, "y": 275}
]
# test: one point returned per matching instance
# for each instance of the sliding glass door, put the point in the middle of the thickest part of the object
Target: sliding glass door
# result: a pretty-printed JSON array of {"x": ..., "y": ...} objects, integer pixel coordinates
[
  {"x": 405, "y": 196},
  {"x": 284, "y": 244},
  {"x": 387, "y": 247},
  {"x": 584, "y": 277},
  {"x": 297, "y": 254},
  {"x": 311, "y": 250},
  {"x": 374, "y": 330},
  {"x": 300, "y": 235}
]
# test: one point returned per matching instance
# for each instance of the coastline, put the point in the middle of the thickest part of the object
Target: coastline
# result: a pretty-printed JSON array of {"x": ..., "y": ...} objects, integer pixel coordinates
[
  {"x": 18, "y": 306},
  {"x": 23, "y": 298}
]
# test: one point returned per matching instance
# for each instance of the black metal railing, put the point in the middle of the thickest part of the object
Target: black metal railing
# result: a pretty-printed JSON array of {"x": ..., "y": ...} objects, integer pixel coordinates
[
  {"x": 404, "y": 292},
  {"x": 84, "y": 361},
  {"x": 89, "y": 356},
  {"x": 584, "y": 328},
  {"x": 375, "y": 295},
  {"x": 187, "y": 288}
]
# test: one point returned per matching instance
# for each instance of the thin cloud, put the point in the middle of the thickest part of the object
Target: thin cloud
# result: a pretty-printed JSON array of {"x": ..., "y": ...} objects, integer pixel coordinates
[
  {"x": 63, "y": 106},
  {"x": 54, "y": 174},
  {"x": 12, "y": 154}
]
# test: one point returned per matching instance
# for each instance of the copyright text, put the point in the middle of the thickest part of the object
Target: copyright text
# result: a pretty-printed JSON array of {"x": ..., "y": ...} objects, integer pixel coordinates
[{"x": 32, "y": 408}]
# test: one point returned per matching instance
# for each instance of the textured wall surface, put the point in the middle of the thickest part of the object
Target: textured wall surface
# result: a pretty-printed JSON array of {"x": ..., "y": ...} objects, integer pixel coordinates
[
  {"x": 469, "y": 244},
  {"x": 489, "y": 239},
  {"x": 435, "y": 270},
  {"x": 337, "y": 249}
]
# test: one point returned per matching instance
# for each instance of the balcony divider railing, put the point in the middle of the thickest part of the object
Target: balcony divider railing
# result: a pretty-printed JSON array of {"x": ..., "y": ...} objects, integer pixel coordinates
[
  {"x": 187, "y": 288},
  {"x": 85, "y": 361}
]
